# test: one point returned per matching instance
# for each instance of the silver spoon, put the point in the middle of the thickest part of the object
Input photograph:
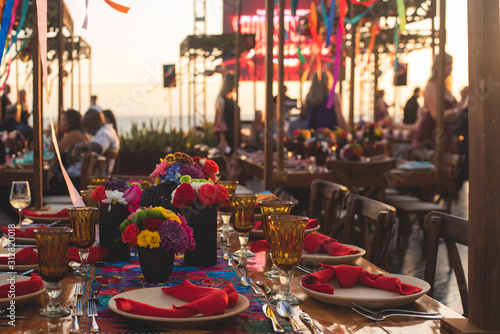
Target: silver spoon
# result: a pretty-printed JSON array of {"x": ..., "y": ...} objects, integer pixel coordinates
[
  {"x": 247, "y": 281},
  {"x": 285, "y": 310}
]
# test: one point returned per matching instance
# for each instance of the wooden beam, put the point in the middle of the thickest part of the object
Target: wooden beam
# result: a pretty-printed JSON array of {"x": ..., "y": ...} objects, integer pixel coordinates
[
  {"x": 60, "y": 58},
  {"x": 280, "y": 105},
  {"x": 375, "y": 81},
  {"x": 439, "y": 132},
  {"x": 269, "y": 128},
  {"x": 237, "y": 116},
  {"x": 37, "y": 120},
  {"x": 352, "y": 83},
  {"x": 484, "y": 175}
]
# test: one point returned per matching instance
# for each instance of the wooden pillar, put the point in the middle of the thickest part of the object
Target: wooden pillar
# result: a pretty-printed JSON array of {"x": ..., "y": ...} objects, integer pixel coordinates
[
  {"x": 237, "y": 127},
  {"x": 60, "y": 58},
  {"x": 269, "y": 128},
  {"x": 37, "y": 119},
  {"x": 439, "y": 132},
  {"x": 72, "y": 73},
  {"x": 79, "y": 82},
  {"x": 484, "y": 175},
  {"x": 180, "y": 93},
  {"x": 280, "y": 105},
  {"x": 190, "y": 96},
  {"x": 375, "y": 82},
  {"x": 352, "y": 79}
]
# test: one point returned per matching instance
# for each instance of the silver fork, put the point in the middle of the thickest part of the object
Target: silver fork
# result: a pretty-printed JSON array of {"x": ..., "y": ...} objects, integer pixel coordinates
[
  {"x": 376, "y": 312},
  {"x": 78, "y": 301},
  {"x": 75, "y": 328},
  {"x": 92, "y": 312},
  {"x": 383, "y": 317}
]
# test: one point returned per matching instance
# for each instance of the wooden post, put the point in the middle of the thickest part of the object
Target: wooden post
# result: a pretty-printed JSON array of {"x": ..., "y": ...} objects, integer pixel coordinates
[
  {"x": 280, "y": 105},
  {"x": 484, "y": 176},
  {"x": 237, "y": 127},
  {"x": 269, "y": 128},
  {"x": 79, "y": 82},
  {"x": 352, "y": 79},
  {"x": 72, "y": 72},
  {"x": 439, "y": 132},
  {"x": 375, "y": 82},
  {"x": 37, "y": 119},
  {"x": 180, "y": 94},
  {"x": 60, "y": 58}
]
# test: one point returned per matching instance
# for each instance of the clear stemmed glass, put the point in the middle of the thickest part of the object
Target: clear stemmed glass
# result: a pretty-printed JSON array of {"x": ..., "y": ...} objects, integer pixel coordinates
[
  {"x": 53, "y": 246},
  {"x": 243, "y": 211},
  {"x": 225, "y": 207},
  {"x": 287, "y": 237},
  {"x": 20, "y": 197},
  {"x": 83, "y": 222},
  {"x": 268, "y": 208}
]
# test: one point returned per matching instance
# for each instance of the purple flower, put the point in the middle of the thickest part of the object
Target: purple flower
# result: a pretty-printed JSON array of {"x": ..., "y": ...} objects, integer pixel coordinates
[
  {"x": 194, "y": 171},
  {"x": 189, "y": 232},
  {"x": 173, "y": 237},
  {"x": 119, "y": 185}
]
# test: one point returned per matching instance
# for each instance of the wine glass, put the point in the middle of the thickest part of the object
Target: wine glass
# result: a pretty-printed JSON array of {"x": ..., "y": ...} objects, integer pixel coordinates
[
  {"x": 225, "y": 207},
  {"x": 20, "y": 197},
  {"x": 53, "y": 246},
  {"x": 83, "y": 221},
  {"x": 268, "y": 208},
  {"x": 287, "y": 237},
  {"x": 243, "y": 211}
]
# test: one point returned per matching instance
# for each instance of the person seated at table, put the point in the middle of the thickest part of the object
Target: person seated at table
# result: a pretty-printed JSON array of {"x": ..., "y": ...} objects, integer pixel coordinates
[
  {"x": 110, "y": 118},
  {"x": 71, "y": 129},
  {"x": 12, "y": 123},
  {"x": 298, "y": 123},
  {"x": 257, "y": 131},
  {"x": 318, "y": 114}
]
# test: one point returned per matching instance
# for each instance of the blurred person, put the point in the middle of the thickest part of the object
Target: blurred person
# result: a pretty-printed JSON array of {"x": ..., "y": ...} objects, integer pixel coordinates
[
  {"x": 318, "y": 114},
  {"x": 71, "y": 128},
  {"x": 93, "y": 103},
  {"x": 299, "y": 123},
  {"x": 22, "y": 106},
  {"x": 257, "y": 131},
  {"x": 109, "y": 118},
  {"x": 424, "y": 135},
  {"x": 382, "y": 108},
  {"x": 12, "y": 123},
  {"x": 224, "y": 115},
  {"x": 411, "y": 108},
  {"x": 5, "y": 102}
]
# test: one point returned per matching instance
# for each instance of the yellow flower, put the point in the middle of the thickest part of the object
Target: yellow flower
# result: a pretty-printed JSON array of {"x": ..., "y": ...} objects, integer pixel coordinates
[
  {"x": 154, "y": 240},
  {"x": 168, "y": 215},
  {"x": 142, "y": 238}
]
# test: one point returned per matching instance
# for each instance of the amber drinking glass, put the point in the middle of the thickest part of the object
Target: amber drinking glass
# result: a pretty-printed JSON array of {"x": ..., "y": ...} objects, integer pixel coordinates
[
  {"x": 287, "y": 237},
  {"x": 83, "y": 222},
  {"x": 268, "y": 208},
  {"x": 225, "y": 207},
  {"x": 98, "y": 180},
  {"x": 243, "y": 211},
  {"x": 53, "y": 246},
  {"x": 87, "y": 198}
]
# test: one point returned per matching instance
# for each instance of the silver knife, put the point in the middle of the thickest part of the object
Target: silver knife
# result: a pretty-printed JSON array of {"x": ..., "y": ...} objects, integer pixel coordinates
[
  {"x": 306, "y": 319},
  {"x": 269, "y": 313}
]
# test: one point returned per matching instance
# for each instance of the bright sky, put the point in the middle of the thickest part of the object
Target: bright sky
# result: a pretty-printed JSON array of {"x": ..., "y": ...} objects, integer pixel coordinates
[{"x": 128, "y": 51}]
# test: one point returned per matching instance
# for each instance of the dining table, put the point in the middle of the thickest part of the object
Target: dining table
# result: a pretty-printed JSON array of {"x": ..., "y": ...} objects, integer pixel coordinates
[{"x": 111, "y": 279}]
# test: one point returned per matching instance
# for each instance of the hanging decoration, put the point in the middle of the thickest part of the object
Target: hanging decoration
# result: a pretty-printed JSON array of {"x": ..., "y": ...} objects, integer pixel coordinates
[
  {"x": 112, "y": 4},
  {"x": 4, "y": 28},
  {"x": 401, "y": 14}
]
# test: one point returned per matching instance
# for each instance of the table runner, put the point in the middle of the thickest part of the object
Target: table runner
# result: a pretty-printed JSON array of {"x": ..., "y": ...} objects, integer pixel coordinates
[{"x": 115, "y": 278}]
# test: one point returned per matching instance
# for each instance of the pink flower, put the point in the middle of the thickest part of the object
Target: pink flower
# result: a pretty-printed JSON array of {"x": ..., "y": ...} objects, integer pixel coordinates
[{"x": 133, "y": 196}]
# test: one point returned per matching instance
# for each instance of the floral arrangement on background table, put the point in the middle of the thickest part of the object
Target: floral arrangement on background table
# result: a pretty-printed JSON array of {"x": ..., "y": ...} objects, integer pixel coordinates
[
  {"x": 301, "y": 134},
  {"x": 352, "y": 152},
  {"x": 13, "y": 141},
  {"x": 369, "y": 132},
  {"x": 158, "y": 235}
]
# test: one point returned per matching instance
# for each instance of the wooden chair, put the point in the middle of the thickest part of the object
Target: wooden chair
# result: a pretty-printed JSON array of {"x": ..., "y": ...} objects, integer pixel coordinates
[
  {"x": 369, "y": 223},
  {"x": 110, "y": 156},
  {"x": 326, "y": 204},
  {"x": 452, "y": 230},
  {"x": 93, "y": 164},
  {"x": 366, "y": 178}
]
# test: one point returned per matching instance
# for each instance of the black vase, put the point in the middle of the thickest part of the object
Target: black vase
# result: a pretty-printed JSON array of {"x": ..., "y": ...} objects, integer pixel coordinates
[
  {"x": 156, "y": 265},
  {"x": 158, "y": 195},
  {"x": 204, "y": 225},
  {"x": 109, "y": 232}
]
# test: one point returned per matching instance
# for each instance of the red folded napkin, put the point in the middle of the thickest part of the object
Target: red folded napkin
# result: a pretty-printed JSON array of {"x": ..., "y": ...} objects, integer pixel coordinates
[
  {"x": 25, "y": 256},
  {"x": 316, "y": 243},
  {"x": 96, "y": 254},
  {"x": 311, "y": 223},
  {"x": 27, "y": 233},
  {"x": 61, "y": 214},
  {"x": 207, "y": 301},
  {"x": 350, "y": 275},
  {"x": 34, "y": 284},
  {"x": 260, "y": 246}
]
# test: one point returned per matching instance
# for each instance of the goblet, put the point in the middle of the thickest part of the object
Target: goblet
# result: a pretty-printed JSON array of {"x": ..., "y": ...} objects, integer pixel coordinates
[
  {"x": 20, "y": 197},
  {"x": 268, "y": 208},
  {"x": 98, "y": 180},
  {"x": 287, "y": 237},
  {"x": 243, "y": 211},
  {"x": 225, "y": 207},
  {"x": 53, "y": 245},
  {"x": 87, "y": 198},
  {"x": 83, "y": 221}
]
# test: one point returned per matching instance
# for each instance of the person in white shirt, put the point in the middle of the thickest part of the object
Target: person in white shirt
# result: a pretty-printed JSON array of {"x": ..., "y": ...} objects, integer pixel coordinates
[{"x": 93, "y": 103}]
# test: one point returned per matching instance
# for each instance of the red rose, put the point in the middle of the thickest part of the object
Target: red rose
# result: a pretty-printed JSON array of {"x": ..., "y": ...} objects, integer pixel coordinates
[
  {"x": 222, "y": 194},
  {"x": 208, "y": 194},
  {"x": 152, "y": 224},
  {"x": 210, "y": 168},
  {"x": 197, "y": 160},
  {"x": 184, "y": 196},
  {"x": 99, "y": 194},
  {"x": 130, "y": 235}
]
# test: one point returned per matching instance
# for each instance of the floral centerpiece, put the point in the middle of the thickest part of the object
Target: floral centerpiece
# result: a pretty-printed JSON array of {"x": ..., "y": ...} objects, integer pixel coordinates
[
  {"x": 158, "y": 235},
  {"x": 14, "y": 141},
  {"x": 301, "y": 134},
  {"x": 198, "y": 193},
  {"x": 352, "y": 152}
]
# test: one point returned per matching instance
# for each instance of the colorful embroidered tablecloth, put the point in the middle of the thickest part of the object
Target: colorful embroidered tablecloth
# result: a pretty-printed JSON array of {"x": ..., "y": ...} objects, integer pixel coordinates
[{"x": 115, "y": 278}]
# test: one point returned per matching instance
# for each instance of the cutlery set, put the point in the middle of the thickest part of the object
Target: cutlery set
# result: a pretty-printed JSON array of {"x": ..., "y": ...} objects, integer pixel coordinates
[
  {"x": 77, "y": 309},
  {"x": 380, "y": 315}
]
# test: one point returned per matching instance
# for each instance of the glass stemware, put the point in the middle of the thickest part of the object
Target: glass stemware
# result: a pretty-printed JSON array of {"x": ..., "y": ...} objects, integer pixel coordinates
[
  {"x": 87, "y": 198},
  {"x": 225, "y": 207},
  {"x": 243, "y": 211},
  {"x": 20, "y": 197},
  {"x": 53, "y": 246},
  {"x": 83, "y": 222},
  {"x": 287, "y": 237},
  {"x": 98, "y": 180},
  {"x": 268, "y": 208}
]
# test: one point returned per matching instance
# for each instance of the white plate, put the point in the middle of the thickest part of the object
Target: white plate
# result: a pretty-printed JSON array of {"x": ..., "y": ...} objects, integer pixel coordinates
[
  {"x": 312, "y": 260},
  {"x": 18, "y": 267},
  {"x": 21, "y": 300},
  {"x": 370, "y": 297},
  {"x": 156, "y": 297},
  {"x": 38, "y": 219},
  {"x": 260, "y": 233}
]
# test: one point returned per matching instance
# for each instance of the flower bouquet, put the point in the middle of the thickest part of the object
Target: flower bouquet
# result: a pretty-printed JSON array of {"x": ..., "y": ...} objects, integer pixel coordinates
[
  {"x": 13, "y": 141},
  {"x": 352, "y": 152},
  {"x": 116, "y": 199},
  {"x": 158, "y": 235}
]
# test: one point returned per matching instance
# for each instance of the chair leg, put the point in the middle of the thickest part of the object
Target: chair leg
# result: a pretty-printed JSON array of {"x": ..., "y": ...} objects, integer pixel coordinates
[{"x": 405, "y": 226}]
